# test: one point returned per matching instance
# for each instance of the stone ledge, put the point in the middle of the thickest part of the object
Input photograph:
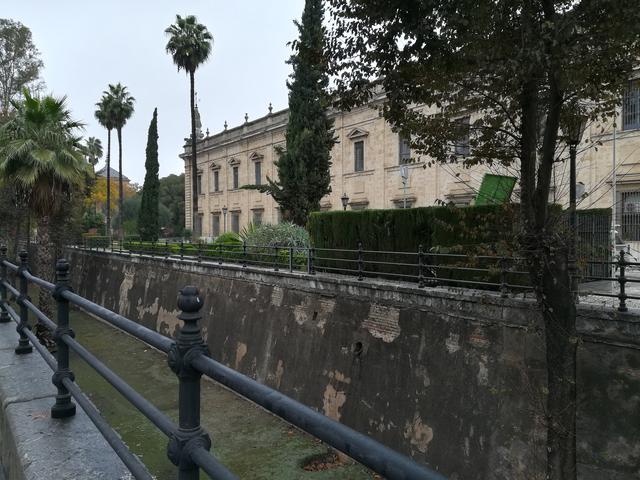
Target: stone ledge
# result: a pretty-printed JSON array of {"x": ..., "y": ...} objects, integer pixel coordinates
[{"x": 33, "y": 446}]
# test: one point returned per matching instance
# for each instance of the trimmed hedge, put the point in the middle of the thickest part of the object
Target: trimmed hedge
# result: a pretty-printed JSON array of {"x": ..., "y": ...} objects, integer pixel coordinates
[{"x": 404, "y": 230}]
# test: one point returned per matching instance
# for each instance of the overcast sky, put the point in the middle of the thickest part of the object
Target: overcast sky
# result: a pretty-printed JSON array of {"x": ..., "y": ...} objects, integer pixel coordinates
[{"x": 86, "y": 44}]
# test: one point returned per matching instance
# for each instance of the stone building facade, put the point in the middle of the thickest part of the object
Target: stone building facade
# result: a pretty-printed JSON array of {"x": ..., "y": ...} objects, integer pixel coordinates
[{"x": 368, "y": 162}]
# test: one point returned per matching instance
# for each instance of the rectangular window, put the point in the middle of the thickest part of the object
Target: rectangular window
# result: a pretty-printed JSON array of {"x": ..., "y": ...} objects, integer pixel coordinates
[
  {"x": 358, "y": 156},
  {"x": 631, "y": 106},
  {"x": 198, "y": 225},
  {"x": 462, "y": 142},
  {"x": 216, "y": 181},
  {"x": 236, "y": 179},
  {"x": 405, "y": 151},
  {"x": 235, "y": 222},
  {"x": 257, "y": 217},
  {"x": 629, "y": 216},
  {"x": 199, "y": 184},
  {"x": 258, "y": 169},
  {"x": 215, "y": 224},
  {"x": 279, "y": 215}
]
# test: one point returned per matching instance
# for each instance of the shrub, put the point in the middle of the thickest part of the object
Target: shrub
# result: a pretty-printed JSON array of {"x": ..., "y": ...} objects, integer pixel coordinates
[
  {"x": 281, "y": 235},
  {"x": 228, "y": 238}
]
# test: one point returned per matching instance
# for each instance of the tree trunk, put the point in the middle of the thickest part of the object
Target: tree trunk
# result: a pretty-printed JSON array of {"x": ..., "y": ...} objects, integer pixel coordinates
[
  {"x": 559, "y": 313},
  {"x": 45, "y": 269},
  {"x": 120, "y": 186},
  {"x": 194, "y": 166},
  {"x": 108, "y": 231}
]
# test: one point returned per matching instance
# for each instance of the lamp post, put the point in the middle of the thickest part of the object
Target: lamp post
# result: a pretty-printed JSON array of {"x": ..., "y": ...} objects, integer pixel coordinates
[
  {"x": 224, "y": 216},
  {"x": 574, "y": 128},
  {"x": 345, "y": 201}
]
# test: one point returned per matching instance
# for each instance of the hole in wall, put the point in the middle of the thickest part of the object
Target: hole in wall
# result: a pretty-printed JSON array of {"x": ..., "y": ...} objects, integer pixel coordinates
[{"x": 357, "y": 349}]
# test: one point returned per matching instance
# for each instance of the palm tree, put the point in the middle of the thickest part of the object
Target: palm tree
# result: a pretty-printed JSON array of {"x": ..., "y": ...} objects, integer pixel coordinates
[
  {"x": 121, "y": 110},
  {"x": 105, "y": 118},
  {"x": 93, "y": 150},
  {"x": 190, "y": 45},
  {"x": 41, "y": 155}
]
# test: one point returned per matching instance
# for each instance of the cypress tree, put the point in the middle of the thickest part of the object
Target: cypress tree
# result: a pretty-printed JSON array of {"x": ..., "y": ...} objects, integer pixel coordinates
[
  {"x": 303, "y": 168},
  {"x": 148, "y": 225}
]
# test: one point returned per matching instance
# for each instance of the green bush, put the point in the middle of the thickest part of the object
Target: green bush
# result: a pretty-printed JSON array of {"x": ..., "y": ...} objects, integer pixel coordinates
[
  {"x": 96, "y": 241},
  {"x": 228, "y": 238},
  {"x": 286, "y": 238}
]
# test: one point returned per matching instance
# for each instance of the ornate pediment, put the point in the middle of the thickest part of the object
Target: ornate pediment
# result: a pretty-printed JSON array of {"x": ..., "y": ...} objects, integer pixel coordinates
[
  {"x": 357, "y": 133},
  {"x": 215, "y": 166},
  {"x": 234, "y": 161},
  {"x": 256, "y": 157}
]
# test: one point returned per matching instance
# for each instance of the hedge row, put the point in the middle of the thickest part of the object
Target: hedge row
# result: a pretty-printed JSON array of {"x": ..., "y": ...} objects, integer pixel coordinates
[{"x": 475, "y": 231}]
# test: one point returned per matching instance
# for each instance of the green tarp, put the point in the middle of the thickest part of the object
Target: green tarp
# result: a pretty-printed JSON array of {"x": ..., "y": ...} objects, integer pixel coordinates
[{"x": 495, "y": 189}]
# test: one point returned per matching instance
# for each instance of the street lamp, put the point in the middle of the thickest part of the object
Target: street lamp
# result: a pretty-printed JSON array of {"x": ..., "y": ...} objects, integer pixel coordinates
[
  {"x": 574, "y": 127},
  {"x": 345, "y": 201},
  {"x": 224, "y": 215}
]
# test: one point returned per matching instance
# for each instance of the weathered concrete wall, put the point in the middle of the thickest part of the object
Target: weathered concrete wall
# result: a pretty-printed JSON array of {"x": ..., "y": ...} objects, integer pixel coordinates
[
  {"x": 33, "y": 446},
  {"x": 453, "y": 378}
]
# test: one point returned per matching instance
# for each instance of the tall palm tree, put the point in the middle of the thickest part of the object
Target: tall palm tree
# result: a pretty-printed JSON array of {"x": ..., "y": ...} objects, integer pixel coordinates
[
  {"x": 190, "y": 45},
  {"x": 121, "y": 110},
  {"x": 41, "y": 155},
  {"x": 104, "y": 116},
  {"x": 93, "y": 150}
]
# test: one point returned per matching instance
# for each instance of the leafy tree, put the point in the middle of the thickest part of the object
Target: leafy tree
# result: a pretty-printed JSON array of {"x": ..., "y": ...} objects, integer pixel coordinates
[
  {"x": 129, "y": 215},
  {"x": 121, "y": 111},
  {"x": 41, "y": 156},
  {"x": 93, "y": 150},
  {"x": 148, "y": 221},
  {"x": 303, "y": 168},
  {"x": 20, "y": 62},
  {"x": 190, "y": 45},
  {"x": 521, "y": 64},
  {"x": 172, "y": 201},
  {"x": 98, "y": 195},
  {"x": 104, "y": 115}
]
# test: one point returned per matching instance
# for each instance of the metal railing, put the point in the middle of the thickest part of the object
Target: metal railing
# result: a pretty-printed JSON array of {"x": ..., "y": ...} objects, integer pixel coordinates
[
  {"x": 506, "y": 274},
  {"x": 189, "y": 359},
  {"x": 621, "y": 266}
]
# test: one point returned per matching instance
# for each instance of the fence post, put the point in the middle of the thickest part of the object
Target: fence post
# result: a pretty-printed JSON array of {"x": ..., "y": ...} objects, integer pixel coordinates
[
  {"x": 504, "y": 271},
  {"x": 166, "y": 248},
  {"x": 360, "y": 262},
  {"x": 275, "y": 259},
  {"x": 220, "y": 254},
  {"x": 23, "y": 342},
  {"x": 622, "y": 280},
  {"x": 4, "y": 316},
  {"x": 63, "y": 407},
  {"x": 244, "y": 253},
  {"x": 189, "y": 344},
  {"x": 421, "y": 283},
  {"x": 310, "y": 267},
  {"x": 181, "y": 249},
  {"x": 291, "y": 259}
]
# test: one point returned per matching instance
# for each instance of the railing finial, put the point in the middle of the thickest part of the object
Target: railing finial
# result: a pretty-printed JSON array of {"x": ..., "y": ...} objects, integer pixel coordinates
[{"x": 189, "y": 345}]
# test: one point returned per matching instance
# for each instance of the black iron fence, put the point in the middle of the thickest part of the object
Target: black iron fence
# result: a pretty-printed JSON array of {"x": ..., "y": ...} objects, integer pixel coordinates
[
  {"x": 188, "y": 357},
  {"x": 507, "y": 274},
  {"x": 598, "y": 275},
  {"x": 623, "y": 268}
]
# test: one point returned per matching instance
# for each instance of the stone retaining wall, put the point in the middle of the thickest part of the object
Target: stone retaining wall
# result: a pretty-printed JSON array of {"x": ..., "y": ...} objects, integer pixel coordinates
[{"x": 454, "y": 378}]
